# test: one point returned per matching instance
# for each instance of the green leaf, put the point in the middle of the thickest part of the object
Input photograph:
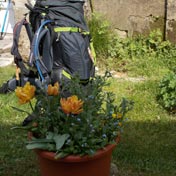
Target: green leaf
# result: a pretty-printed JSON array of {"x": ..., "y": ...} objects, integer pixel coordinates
[
  {"x": 20, "y": 127},
  {"x": 43, "y": 146},
  {"x": 36, "y": 140},
  {"x": 60, "y": 140},
  {"x": 49, "y": 135},
  {"x": 20, "y": 110},
  {"x": 60, "y": 155}
]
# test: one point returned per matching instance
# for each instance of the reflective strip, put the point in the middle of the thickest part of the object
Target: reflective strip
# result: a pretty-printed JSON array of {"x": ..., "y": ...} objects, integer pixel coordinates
[
  {"x": 93, "y": 51},
  {"x": 71, "y": 29},
  {"x": 66, "y": 74},
  {"x": 66, "y": 29},
  {"x": 85, "y": 32},
  {"x": 43, "y": 14}
]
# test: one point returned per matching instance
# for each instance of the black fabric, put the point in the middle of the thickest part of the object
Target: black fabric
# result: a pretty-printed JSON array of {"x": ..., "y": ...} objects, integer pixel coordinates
[
  {"x": 67, "y": 9},
  {"x": 70, "y": 49},
  {"x": 12, "y": 83},
  {"x": 58, "y": 52},
  {"x": 4, "y": 88}
]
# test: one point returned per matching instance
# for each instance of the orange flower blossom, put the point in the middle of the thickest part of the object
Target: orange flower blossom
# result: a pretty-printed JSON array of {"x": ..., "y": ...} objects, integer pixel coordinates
[
  {"x": 53, "y": 90},
  {"x": 26, "y": 93},
  {"x": 71, "y": 105}
]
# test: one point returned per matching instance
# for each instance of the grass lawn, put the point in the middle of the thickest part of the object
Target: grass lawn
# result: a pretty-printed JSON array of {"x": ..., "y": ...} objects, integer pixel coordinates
[{"x": 148, "y": 142}]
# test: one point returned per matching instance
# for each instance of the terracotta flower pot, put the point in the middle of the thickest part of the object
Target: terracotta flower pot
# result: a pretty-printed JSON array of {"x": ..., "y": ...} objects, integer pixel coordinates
[{"x": 96, "y": 165}]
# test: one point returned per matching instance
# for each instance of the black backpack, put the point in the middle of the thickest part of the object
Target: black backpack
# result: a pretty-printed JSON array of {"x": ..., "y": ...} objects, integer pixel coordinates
[{"x": 61, "y": 45}]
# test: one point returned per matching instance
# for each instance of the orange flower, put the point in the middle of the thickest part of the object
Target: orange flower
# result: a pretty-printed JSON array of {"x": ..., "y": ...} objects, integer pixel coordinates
[
  {"x": 26, "y": 93},
  {"x": 71, "y": 105},
  {"x": 53, "y": 90}
]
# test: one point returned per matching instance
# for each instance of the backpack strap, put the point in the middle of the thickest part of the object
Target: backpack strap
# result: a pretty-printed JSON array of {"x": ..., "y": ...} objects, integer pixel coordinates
[
  {"x": 15, "y": 47},
  {"x": 42, "y": 57}
]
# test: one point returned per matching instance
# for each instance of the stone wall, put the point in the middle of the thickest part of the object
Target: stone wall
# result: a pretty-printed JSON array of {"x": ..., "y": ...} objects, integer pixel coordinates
[
  {"x": 171, "y": 20},
  {"x": 130, "y": 17}
]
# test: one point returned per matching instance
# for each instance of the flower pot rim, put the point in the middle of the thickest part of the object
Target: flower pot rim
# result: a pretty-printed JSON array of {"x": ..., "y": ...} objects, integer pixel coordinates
[{"x": 77, "y": 158}]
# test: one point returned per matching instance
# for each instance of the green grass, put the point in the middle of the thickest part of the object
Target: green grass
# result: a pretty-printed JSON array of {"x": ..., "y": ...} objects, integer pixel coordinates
[
  {"x": 148, "y": 142},
  {"x": 15, "y": 160}
]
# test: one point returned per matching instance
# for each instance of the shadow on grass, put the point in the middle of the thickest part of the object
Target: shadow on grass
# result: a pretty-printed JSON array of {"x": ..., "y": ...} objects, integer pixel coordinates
[
  {"x": 147, "y": 149},
  {"x": 15, "y": 159}
]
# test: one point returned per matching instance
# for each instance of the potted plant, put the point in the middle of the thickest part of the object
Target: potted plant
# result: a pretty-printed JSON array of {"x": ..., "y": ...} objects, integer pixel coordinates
[{"x": 74, "y": 127}]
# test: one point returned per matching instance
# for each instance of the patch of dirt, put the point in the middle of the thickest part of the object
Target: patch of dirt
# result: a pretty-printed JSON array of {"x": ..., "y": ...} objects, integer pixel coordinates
[{"x": 122, "y": 76}]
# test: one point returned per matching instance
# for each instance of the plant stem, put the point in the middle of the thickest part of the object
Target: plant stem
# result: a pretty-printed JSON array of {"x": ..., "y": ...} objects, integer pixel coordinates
[{"x": 31, "y": 105}]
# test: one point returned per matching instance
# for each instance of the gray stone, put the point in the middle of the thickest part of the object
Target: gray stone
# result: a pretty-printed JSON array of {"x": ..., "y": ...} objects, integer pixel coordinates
[
  {"x": 140, "y": 16},
  {"x": 6, "y": 59},
  {"x": 6, "y": 43},
  {"x": 114, "y": 170}
]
